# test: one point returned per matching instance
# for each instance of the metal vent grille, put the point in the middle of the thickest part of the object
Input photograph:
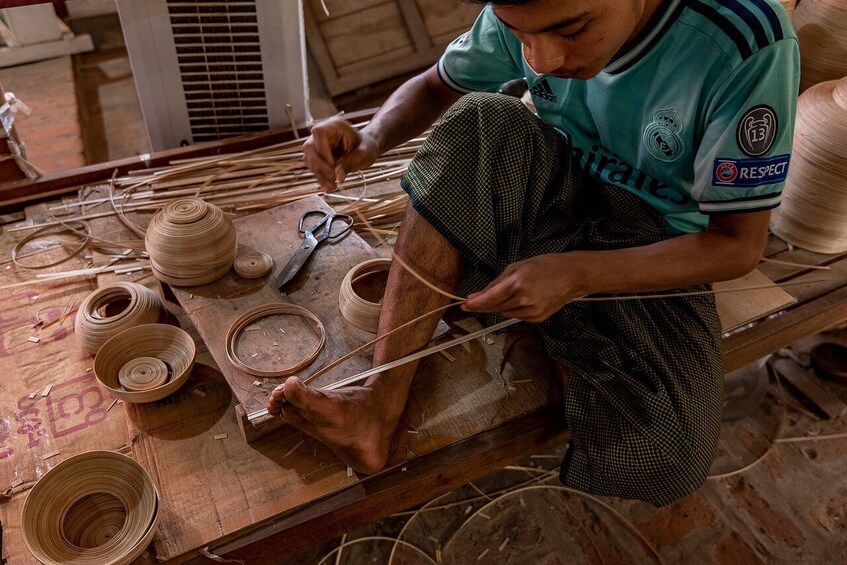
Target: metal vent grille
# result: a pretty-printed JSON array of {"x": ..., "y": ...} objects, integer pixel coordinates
[{"x": 220, "y": 65}]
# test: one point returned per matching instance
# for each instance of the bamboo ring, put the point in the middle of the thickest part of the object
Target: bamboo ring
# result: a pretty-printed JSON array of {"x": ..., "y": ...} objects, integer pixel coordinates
[
  {"x": 813, "y": 214},
  {"x": 190, "y": 243},
  {"x": 264, "y": 311},
  {"x": 94, "y": 508},
  {"x": 95, "y": 325},
  {"x": 253, "y": 265},
  {"x": 168, "y": 344},
  {"x": 823, "y": 40},
  {"x": 360, "y": 312},
  {"x": 41, "y": 231},
  {"x": 143, "y": 373}
]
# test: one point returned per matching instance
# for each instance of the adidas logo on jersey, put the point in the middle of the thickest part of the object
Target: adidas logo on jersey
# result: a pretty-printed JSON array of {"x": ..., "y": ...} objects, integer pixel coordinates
[{"x": 543, "y": 90}]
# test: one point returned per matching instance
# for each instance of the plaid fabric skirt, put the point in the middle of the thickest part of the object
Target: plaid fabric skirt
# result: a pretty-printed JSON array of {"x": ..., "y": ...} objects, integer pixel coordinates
[{"x": 644, "y": 397}]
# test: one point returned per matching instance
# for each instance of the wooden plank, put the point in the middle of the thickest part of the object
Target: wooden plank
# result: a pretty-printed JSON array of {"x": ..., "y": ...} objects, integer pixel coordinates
[
  {"x": 11, "y": 56},
  {"x": 737, "y": 309},
  {"x": 415, "y": 23},
  {"x": 447, "y": 19},
  {"x": 780, "y": 331},
  {"x": 212, "y": 308},
  {"x": 804, "y": 384},
  {"x": 383, "y": 494},
  {"x": 367, "y": 34}
]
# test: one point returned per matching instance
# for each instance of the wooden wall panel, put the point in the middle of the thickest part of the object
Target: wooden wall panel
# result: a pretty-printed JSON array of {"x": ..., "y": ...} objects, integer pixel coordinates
[
  {"x": 366, "y": 34},
  {"x": 447, "y": 19},
  {"x": 339, "y": 8}
]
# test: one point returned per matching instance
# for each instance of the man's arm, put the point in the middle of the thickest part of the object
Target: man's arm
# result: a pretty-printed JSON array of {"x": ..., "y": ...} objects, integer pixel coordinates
[
  {"x": 336, "y": 148},
  {"x": 537, "y": 288}
]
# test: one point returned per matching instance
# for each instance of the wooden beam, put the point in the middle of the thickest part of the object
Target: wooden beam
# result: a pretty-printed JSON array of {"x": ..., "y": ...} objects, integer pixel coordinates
[
  {"x": 11, "y": 56},
  {"x": 392, "y": 491}
]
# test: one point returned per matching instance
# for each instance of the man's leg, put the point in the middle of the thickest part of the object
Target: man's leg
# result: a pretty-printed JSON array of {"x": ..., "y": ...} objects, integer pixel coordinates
[{"x": 357, "y": 423}]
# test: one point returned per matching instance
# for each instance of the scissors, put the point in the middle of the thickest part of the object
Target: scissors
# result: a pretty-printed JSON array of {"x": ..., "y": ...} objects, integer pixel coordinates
[{"x": 312, "y": 237}]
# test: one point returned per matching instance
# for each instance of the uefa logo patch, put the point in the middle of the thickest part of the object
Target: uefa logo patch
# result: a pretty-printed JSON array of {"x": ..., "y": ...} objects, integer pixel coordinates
[
  {"x": 661, "y": 137},
  {"x": 726, "y": 172}
]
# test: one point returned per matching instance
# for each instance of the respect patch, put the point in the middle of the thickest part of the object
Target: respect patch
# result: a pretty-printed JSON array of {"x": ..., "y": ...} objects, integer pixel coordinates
[{"x": 750, "y": 172}]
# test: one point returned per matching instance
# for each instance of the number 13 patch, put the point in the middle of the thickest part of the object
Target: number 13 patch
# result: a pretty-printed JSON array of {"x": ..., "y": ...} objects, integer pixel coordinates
[{"x": 757, "y": 131}]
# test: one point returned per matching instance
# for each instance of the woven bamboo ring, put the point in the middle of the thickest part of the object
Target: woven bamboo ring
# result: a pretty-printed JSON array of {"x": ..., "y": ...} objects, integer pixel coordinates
[
  {"x": 264, "y": 311},
  {"x": 253, "y": 265},
  {"x": 171, "y": 345},
  {"x": 143, "y": 373},
  {"x": 360, "y": 312},
  {"x": 98, "y": 507},
  {"x": 94, "y": 326},
  {"x": 38, "y": 233}
]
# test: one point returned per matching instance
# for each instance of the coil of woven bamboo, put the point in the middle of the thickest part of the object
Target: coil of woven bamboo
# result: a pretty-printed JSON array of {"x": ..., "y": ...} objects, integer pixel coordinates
[
  {"x": 168, "y": 344},
  {"x": 789, "y": 5},
  {"x": 143, "y": 373},
  {"x": 253, "y": 265},
  {"x": 259, "y": 312},
  {"x": 190, "y": 243},
  {"x": 360, "y": 312},
  {"x": 116, "y": 307},
  {"x": 813, "y": 214},
  {"x": 822, "y": 31},
  {"x": 95, "y": 508}
]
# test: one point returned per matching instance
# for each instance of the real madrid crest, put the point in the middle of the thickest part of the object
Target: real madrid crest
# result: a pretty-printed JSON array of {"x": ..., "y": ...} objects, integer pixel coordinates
[{"x": 662, "y": 138}]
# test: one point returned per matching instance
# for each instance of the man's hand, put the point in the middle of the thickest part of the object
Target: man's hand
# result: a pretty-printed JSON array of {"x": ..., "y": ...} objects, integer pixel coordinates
[
  {"x": 336, "y": 148},
  {"x": 530, "y": 290}
]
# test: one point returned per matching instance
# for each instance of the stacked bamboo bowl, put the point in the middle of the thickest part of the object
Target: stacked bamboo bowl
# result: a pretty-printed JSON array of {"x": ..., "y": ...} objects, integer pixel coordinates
[
  {"x": 95, "y": 508},
  {"x": 109, "y": 310},
  {"x": 145, "y": 363},
  {"x": 789, "y": 6},
  {"x": 822, "y": 31},
  {"x": 358, "y": 311},
  {"x": 190, "y": 243},
  {"x": 813, "y": 214}
]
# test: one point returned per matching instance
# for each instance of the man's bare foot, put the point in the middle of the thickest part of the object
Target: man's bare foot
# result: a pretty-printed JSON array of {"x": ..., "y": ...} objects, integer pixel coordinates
[{"x": 350, "y": 421}]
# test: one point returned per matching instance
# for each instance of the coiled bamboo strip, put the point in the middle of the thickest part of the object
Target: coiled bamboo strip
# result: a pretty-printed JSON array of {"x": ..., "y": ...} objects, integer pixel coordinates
[
  {"x": 143, "y": 373},
  {"x": 360, "y": 312},
  {"x": 789, "y": 6},
  {"x": 190, "y": 242},
  {"x": 253, "y": 265},
  {"x": 813, "y": 214},
  {"x": 169, "y": 344},
  {"x": 41, "y": 231},
  {"x": 822, "y": 32},
  {"x": 95, "y": 508},
  {"x": 264, "y": 311},
  {"x": 95, "y": 324}
]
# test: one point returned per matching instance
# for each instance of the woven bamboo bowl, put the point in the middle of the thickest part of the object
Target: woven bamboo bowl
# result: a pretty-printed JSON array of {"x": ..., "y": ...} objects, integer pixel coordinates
[
  {"x": 169, "y": 344},
  {"x": 357, "y": 310},
  {"x": 789, "y": 6},
  {"x": 95, "y": 508},
  {"x": 822, "y": 31},
  {"x": 190, "y": 243},
  {"x": 109, "y": 310},
  {"x": 813, "y": 214}
]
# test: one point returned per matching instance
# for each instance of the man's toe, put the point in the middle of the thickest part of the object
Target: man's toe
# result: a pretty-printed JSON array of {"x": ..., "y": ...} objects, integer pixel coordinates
[{"x": 302, "y": 397}]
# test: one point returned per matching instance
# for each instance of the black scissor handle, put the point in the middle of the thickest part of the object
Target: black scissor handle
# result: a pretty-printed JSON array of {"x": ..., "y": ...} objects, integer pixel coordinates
[{"x": 345, "y": 220}]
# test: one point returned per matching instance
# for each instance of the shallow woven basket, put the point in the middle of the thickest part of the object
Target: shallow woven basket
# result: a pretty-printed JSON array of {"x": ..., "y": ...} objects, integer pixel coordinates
[
  {"x": 95, "y": 508},
  {"x": 161, "y": 341},
  {"x": 94, "y": 324},
  {"x": 813, "y": 214},
  {"x": 190, "y": 243}
]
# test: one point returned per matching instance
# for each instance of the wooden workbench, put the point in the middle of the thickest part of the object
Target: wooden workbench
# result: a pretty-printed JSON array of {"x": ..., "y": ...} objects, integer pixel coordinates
[{"x": 188, "y": 463}]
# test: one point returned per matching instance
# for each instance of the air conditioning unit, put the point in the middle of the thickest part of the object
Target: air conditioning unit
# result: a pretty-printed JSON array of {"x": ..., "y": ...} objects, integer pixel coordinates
[{"x": 209, "y": 69}]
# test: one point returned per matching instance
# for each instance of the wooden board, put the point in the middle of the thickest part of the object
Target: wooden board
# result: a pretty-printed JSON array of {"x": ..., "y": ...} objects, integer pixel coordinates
[
  {"x": 214, "y": 307},
  {"x": 737, "y": 309}
]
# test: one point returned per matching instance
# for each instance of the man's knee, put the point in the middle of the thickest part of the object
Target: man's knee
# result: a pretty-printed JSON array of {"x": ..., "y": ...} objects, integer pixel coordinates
[{"x": 484, "y": 107}]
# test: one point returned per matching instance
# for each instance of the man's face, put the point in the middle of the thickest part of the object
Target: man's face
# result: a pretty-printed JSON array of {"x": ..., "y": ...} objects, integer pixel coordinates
[{"x": 572, "y": 38}]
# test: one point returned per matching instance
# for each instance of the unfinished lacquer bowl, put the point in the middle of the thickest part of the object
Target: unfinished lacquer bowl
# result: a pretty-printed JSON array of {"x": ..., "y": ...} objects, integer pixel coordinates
[
  {"x": 95, "y": 508},
  {"x": 190, "y": 243},
  {"x": 109, "y": 310},
  {"x": 145, "y": 363}
]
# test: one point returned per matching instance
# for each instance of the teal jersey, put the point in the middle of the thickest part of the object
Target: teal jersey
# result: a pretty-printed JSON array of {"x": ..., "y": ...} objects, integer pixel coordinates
[{"x": 696, "y": 116}]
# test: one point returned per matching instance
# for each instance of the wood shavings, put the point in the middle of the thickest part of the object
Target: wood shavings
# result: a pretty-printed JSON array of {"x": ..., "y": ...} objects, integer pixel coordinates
[
  {"x": 254, "y": 355},
  {"x": 504, "y": 544},
  {"x": 257, "y": 383},
  {"x": 199, "y": 392},
  {"x": 481, "y": 555},
  {"x": 46, "y": 390},
  {"x": 349, "y": 471},
  {"x": 18, "y": 482},
  {"x": 115, "y": 401},
  {"x": 447, "y": 356},
  {"x": 33, "y": 339},
  {"x": 191, "y": 295},
  {"x": 293, "y": 449},
  {"x": 275, "y": 344},
  {"x": 253, "y": 328},
  {"x": 489, "y": 341},
  {"x": 483, "y": 515},
  {"x": 47, "y": 456},
  {"x": 521, "y": 382},
  {"x": 221, "y": 436},
  {"x": 34, "y": 298}
]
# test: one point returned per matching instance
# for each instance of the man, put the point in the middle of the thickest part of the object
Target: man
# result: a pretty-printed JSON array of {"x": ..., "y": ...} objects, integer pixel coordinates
[{"x": 664, "y": 139}]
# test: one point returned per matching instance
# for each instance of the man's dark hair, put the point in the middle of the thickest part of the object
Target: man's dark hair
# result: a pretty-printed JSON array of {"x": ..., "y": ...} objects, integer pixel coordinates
[{"x": 501, "y": 2}]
